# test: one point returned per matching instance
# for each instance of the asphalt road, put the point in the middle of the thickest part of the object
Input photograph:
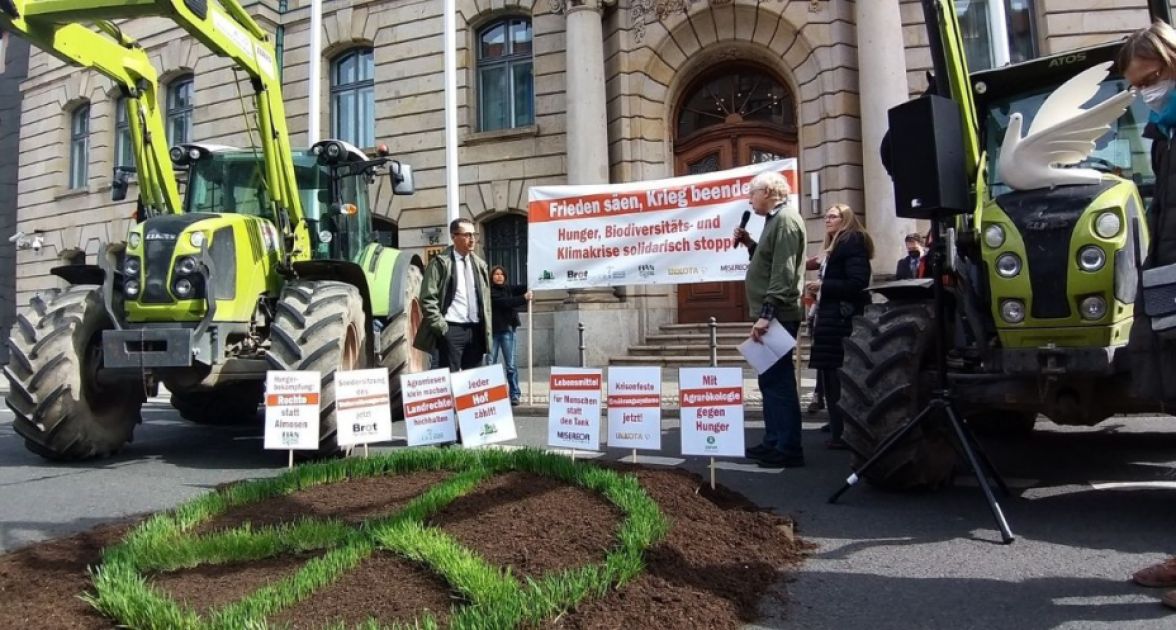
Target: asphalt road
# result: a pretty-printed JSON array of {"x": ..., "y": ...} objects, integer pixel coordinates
[{"x": 1090, "y": 506}]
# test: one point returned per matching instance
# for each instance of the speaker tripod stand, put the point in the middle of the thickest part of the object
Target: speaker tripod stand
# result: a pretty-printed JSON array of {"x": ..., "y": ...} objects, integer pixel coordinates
[{"x": 941, "y": 408}]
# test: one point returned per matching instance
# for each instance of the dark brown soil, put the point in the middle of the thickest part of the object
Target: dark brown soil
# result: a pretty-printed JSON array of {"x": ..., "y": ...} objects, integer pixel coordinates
[
  {"x": 719, "y": 559},
  {"x": 532, "y": 524}
]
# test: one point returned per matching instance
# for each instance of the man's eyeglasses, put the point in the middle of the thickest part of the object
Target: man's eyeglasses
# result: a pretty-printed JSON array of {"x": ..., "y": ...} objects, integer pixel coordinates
[{"x": 469, "y": 234}]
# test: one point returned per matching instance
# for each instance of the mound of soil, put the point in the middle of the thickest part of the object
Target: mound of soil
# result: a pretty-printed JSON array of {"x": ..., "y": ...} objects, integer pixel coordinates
[{"x": 721, "y": 556}]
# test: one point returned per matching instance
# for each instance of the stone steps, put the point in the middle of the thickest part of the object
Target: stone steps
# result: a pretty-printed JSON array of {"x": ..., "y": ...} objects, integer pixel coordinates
[{"x": 688, "y": 345}]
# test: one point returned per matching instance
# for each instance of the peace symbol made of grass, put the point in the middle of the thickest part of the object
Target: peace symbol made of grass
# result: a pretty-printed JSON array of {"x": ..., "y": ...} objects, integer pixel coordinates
[{"x": 494, "y": 597}]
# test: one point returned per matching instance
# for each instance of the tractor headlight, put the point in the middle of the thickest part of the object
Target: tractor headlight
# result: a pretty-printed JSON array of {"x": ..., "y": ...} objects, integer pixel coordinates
[
  {"x": 196, "y": 239},
  {"x": 134, "y": 240},
  {"x": 131, "y": 266},
  {"x": 1107, "y": 225},
  {"x": 131, "y": 288},
  {"x": 1008, "y": 265},
  {"x": 1012, "y": 311},
  {"x": 186, "y": 266},
  {"x": 177, "y": 154},
  {"x": 994, "y": 236},
  {"x": 183, "y": 288},
  {"x": 1091, "y": 258},
  {"x": 1093, "y": 307},
  {"x": 334, "y": 150}
]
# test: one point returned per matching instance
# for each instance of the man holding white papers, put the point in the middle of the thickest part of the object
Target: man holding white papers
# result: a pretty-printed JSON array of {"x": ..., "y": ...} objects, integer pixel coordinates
[{"x": 774, "y": 279}]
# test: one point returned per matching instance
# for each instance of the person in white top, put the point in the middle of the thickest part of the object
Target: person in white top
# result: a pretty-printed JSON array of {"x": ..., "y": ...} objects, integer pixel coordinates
[{"x": 455, "y": 303}]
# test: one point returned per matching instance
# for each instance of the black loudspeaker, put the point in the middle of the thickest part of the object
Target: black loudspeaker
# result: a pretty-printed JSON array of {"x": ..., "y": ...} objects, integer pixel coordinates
[{"x": 927, "y": 158}]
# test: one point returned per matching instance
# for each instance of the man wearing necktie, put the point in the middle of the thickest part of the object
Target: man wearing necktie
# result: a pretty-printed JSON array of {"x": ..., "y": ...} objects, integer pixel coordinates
[{"x": 455, "y": 303}]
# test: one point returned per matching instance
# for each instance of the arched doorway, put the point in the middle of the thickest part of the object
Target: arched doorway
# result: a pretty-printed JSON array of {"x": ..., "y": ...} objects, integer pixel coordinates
[{"x": 730, "y": 116}]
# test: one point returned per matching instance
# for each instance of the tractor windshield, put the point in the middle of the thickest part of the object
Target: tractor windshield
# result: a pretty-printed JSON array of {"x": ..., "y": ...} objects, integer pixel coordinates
[
  {"x": 1122, "y": 151},
  {"x": 234, "y": 181}
]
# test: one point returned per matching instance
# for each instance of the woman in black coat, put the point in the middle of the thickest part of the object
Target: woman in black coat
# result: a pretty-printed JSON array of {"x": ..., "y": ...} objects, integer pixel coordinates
[
  {"x": 841, "y": 294},
  {"x": 505, "y": 301}
]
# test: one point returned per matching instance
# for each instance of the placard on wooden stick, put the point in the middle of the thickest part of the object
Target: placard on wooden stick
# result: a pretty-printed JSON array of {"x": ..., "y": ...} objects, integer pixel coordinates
[
  {"x": 634, "y": 408},
  {"x": 482, "y": 402},
  {"x": 573, "y": 412},
  {"x": 711, "y": 403},
  {"x": 428, "y": 407},
  {"x": 292, "y": 411},
  {"x": 362, "y": 411}
]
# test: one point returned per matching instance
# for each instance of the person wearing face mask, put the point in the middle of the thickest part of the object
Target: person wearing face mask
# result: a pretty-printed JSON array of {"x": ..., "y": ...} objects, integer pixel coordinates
[{"x": 1148, "y": 62}]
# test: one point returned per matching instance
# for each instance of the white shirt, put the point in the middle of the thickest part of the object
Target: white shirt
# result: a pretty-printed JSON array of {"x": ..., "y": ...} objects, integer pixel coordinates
[{"x": 464, "y": 308}]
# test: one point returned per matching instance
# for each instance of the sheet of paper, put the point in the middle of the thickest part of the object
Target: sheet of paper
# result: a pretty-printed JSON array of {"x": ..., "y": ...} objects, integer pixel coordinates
[{"x": 772, "y": 346}]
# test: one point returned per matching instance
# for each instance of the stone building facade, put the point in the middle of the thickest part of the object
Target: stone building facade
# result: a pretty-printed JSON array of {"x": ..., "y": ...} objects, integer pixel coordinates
[{"x": 549, "y": 92}]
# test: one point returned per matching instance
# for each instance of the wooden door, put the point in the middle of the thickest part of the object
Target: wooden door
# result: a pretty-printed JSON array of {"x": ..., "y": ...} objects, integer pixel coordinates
[{"x": 725, "y": 301}]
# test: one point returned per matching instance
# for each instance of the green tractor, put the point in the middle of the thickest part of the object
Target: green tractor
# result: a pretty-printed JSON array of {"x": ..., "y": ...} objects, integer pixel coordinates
[
  {"x": 1041, "y": 283},
  {"x": 271, "y": 265}
]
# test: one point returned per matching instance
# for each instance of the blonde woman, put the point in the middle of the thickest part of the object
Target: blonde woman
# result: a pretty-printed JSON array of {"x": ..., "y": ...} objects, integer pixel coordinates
[{"x": 841, "y": 294}]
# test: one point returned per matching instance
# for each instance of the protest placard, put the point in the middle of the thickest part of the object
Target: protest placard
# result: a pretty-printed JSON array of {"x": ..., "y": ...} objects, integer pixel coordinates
[
  {"x": 634, "y": 407},
  {"x": 363, "y": 414},
  {"x": 292, "y": 410},
  {"x": 428, "y": 407},
  {"x": 669, "y": 231},
  {"x": 573, "y": 411},
  {"x": 711, "y": 401},
  {"x": 483, "y": 407}
]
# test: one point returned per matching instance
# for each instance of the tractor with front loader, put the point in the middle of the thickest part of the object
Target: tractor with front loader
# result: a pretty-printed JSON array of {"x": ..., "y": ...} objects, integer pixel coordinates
[
  {"x": 270, "y": 265},
  {"x": 1041, "y": 281}
]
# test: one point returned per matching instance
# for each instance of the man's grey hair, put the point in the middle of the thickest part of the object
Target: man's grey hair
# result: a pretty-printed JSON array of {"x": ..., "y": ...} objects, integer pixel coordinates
[{"x": 775, "y": 183}]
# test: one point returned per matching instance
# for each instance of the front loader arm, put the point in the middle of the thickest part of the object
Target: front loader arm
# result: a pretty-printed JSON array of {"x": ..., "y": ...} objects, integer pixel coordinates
[
  {"x": 227, "y": 30},
  {"x": 122, "y": 60}
]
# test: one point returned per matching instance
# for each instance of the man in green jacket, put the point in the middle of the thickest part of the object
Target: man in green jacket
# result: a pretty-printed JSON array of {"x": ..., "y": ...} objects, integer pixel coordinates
[
  {"x": 455, "y": 303},
  {"x": 774, "y": 279}
]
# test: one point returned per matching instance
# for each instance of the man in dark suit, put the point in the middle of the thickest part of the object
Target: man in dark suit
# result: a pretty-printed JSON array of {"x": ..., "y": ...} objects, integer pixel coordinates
[
  {"x": 908, "y": 266},
  {"x": 455, "y": 302}
]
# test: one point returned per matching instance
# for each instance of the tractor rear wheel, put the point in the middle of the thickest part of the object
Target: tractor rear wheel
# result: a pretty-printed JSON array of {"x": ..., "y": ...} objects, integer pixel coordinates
[
  {"x": 395, "y": 344},
  {"x": 232, "y": 403},
  {"x": 61, "y": 410},
  {"x": 320, "y": 326},
  {"x": 883, "y": 387}
]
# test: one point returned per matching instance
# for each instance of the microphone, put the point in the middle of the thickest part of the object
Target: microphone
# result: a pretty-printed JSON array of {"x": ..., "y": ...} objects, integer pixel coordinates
[{"x": 743, "y": 222}]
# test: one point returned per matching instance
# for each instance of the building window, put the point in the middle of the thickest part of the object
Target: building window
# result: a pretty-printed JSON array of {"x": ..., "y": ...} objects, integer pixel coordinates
[
  {"x": 79, "y": 147},
  {"x": 506, "y": 88},
  {"x": 124, "y": 151},
  {"x": 506, "y": 245},
  {"x": 179, "y": 111},
  {"x": 988, "y": 47},
  {"x": 353, "y": 103}
]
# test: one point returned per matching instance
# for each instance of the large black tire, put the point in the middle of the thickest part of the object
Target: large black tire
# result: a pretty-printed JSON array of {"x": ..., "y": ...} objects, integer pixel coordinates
[
  {"x": 61, "y": 411},
  {"x": 320, "y": 326},
  {"x": 884, "y": 383},
  {"x": 395, "y": 344},
  {"x": 228, "y": 404}
]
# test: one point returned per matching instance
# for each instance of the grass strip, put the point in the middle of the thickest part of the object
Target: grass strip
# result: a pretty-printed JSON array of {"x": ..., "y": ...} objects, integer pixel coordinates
[{"x": 496, "y": 599}]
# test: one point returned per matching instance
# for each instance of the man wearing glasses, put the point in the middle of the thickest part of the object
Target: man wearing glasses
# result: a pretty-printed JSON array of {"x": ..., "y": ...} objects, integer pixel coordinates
[
  {"x": 774, "y": 278},
  {"x": 455, "y": 300}
]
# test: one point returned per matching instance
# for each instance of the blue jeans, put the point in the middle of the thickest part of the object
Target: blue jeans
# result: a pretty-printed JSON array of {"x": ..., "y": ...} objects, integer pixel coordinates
[
  {"x": 782, "y": 404},
  {"x": 504, "y": 342}
]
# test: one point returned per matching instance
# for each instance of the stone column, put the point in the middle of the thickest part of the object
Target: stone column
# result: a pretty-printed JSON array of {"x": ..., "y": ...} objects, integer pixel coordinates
[
  {"x": 882, "y": 84},
  {"x": 587, "y": 124}
]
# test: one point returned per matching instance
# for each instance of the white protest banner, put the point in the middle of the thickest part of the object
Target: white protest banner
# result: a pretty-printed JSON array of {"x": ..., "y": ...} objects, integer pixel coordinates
[
  {"x": 573, "y": 411},
  {"x": 634, "y": 407},
  {"x": 483, "y": 406},
  {"x": 292, "y": 410},
  {"x": 711, "y": 401},
  {"x": 363, "y": 414},
  {"x": 669, "y": 231},
  {"x": 428, "y": 407}
]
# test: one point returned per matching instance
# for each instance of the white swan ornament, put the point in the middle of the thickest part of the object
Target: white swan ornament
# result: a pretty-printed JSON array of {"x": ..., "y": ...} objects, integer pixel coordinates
[{"x": 1062, "y": 133}]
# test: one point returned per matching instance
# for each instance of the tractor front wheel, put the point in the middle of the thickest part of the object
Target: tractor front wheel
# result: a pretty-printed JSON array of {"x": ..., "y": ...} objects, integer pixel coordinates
[
  {"x": 320, "y": 326},
  {"x": 883, "y": 386},
  {"x": 61, "y": 410}
]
